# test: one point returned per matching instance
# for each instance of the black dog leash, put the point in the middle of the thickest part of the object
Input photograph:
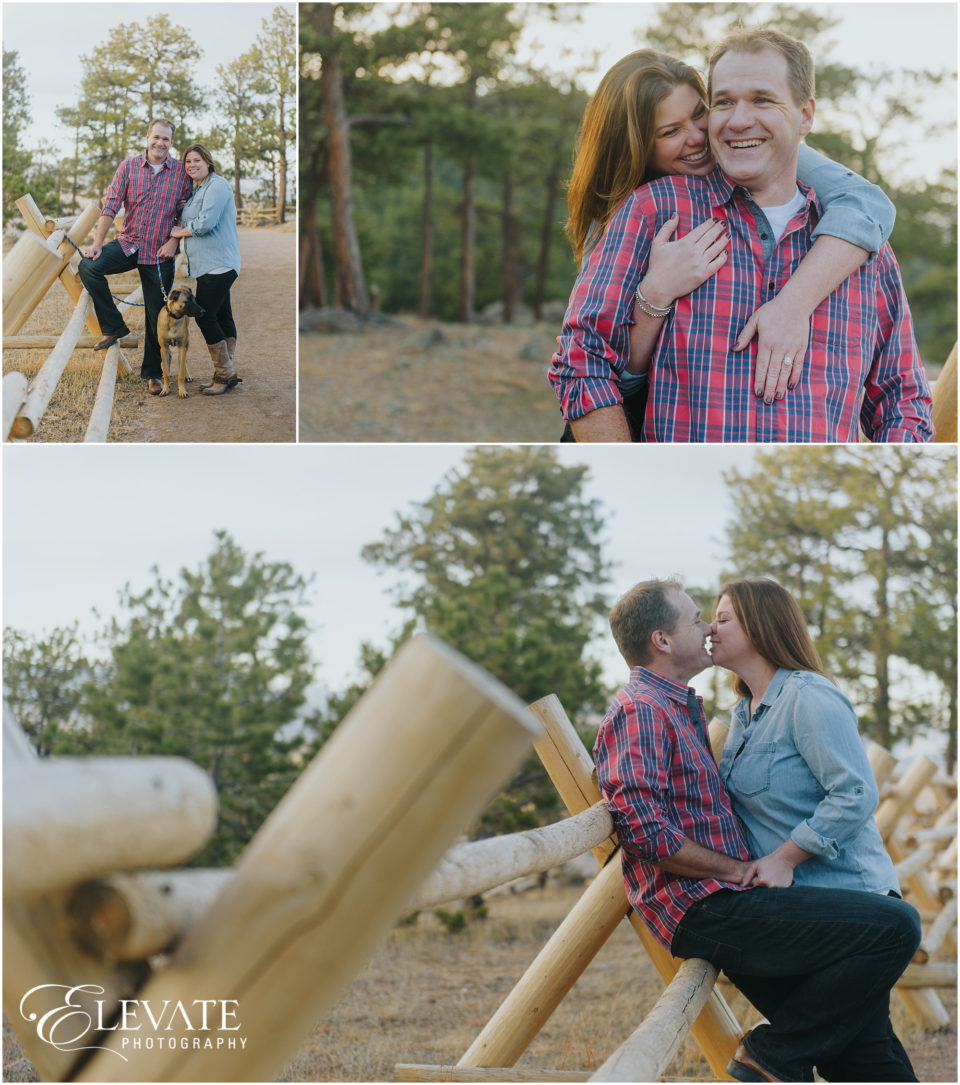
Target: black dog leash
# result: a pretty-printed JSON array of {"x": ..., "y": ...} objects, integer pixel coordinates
[{"x": 123, "y": 301}]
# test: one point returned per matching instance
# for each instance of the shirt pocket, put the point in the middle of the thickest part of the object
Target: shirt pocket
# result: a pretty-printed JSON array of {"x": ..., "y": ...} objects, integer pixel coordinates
[{"x": 751, "y": 770}]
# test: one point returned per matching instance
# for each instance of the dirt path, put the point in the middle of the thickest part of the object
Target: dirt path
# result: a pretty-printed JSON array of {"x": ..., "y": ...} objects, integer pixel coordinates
[{"x": 263, "y": 407}]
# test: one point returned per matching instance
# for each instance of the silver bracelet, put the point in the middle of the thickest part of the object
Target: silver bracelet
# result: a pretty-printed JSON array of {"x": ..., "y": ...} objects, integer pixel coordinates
[
  {"x": 646, "y": 306},
  {"x": 657, "y": 316}
]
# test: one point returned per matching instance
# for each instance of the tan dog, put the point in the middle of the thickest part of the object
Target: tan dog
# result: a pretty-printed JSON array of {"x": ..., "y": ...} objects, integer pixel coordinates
[{"x": 173, "y": 330}]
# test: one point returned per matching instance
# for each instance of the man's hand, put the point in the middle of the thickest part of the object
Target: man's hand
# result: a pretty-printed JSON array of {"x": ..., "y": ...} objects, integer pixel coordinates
[
  {"x": 168, "y": 248},
  {"x": 179, "y": 231},
  {"x": 91, "y": 252},
  {"x": 695, "y": 861},
  {"x": 782, "y": 333}
]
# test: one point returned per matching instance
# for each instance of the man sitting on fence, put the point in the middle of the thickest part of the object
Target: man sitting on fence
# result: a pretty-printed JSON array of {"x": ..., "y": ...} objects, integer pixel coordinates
[
  {"x": 819, "y": 963},
  {"x": 151, "y": 187}
]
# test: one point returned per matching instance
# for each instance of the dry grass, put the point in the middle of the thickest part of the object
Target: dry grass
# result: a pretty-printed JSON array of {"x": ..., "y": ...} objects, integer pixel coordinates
[
  {"x": 426, "y": 381},
  {"x": 426, "y": 994},
  {"x": 68, "y": 414}
]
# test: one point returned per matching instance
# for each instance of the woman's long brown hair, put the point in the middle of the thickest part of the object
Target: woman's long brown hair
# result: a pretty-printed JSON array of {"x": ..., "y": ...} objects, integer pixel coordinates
[
  {"x": 774, "y": 625},
  {"x": 615, "y": 142}
]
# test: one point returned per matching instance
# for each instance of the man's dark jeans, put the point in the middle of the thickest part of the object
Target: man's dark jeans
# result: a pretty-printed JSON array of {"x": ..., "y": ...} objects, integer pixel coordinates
[
  {"x": 113, "y": 261},
  {"x": 819, "y": 964}
]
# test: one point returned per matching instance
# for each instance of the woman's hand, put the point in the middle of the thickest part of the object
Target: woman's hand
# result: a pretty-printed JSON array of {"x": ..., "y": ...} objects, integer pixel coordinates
[
  {"x": 677, "y": 267},
  {"x": 776, "y": 869},
  {"x": 179, "y": 231},
  {"x": 782, "y": 333},
  {"x": 774, "y": 872}
]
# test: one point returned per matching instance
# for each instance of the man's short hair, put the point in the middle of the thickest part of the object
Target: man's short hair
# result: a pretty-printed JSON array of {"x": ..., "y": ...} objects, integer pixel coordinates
[
  {"x": 638, "y": 614},
  {"x": 166, "y": 124},
  {"x": 800, "y": 69}
]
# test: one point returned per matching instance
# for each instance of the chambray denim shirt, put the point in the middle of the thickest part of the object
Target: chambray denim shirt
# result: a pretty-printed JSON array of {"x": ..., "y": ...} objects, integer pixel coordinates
[
  {"x": 798, "y": 769},
  {"x": 211, "y": 216}
]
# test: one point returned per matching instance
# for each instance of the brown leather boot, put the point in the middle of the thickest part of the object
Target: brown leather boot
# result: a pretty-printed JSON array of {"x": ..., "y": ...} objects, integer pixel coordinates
[{"x": 224, "y": 375}]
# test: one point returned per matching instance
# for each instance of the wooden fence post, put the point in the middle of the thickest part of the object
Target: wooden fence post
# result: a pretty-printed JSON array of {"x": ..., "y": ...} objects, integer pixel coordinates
[
  {"x": 333, "y": 866},
  {"x": 34, "y": 278},
  {"x": 38, "y": 951},
  {"x": 646, "y": 1054},
  {"x": 554, "y": 970},
  {"x": 945, "y": 400},
  {"x": 44, "y": 383}
]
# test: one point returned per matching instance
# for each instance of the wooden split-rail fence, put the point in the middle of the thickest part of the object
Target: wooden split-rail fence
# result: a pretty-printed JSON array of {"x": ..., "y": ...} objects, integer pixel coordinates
[
  {"x": 45, "y": 253},
  {"x": 355, "y": 844}
]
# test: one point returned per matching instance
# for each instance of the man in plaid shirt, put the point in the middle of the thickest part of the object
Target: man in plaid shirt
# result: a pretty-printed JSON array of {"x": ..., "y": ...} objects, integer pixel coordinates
[
  {"x": 151, "y": 187},
  {"x": 818, "y": 963},
  {"x": 861, "y": 369}
]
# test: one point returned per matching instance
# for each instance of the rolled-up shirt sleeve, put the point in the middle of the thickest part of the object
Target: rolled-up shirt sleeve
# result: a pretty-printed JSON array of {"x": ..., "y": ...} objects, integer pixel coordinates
[
  {"x": 825, "y": 733},
  {"x": 594, "y": 345},
  {"x": 897, "y": 403},
  {"x": 633, "y": 777}
]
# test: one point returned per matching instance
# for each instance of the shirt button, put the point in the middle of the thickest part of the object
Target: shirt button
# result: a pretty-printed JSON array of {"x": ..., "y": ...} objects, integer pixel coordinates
[
  {"x": 771, "y": 286},
  {"x": 763, "y": 237}
]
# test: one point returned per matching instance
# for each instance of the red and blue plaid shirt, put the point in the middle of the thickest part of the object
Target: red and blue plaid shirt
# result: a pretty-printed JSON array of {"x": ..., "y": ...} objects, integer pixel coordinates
[
  {"x": 150, "y": 202},
  {"x": 662, "y": 786},
  {"x": 862, "y": 364}
]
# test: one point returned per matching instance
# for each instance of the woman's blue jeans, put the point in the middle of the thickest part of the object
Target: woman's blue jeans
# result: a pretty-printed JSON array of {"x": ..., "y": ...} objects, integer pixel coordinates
[{"x": 819, "y": 964}]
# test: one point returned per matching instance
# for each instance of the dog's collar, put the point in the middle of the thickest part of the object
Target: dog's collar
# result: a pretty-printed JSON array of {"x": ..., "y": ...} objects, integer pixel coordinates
[{"x": 173, "y": 316}]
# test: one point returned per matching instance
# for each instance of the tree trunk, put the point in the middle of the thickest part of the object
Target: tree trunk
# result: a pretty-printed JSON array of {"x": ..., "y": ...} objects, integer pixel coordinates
[
  {"x": 312, "y": 286},
  {"x": 546, "y": 238},
  {"x": 468, "y": 229},
  {"x": 881, "y": 697},
  {"x": 510, "y": 256},
  {"x": 426, "y": 231},
  {"x": 351, "y": 290},
  {"x": 282, "y": 180},
  {"x": 236, "y": 178}
]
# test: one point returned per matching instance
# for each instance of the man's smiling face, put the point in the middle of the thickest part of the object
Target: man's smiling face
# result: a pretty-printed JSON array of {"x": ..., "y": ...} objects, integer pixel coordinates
[
  {"x": 159, "y": 142},
  {"x": 755, "y": 124}
]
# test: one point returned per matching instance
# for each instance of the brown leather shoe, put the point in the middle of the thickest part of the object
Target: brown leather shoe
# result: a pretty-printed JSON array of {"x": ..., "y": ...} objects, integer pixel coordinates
[
  {"x": 109, "y": 340},
  {"x": 154, "y": 387},
  {"x": 744, "y": 1067}
]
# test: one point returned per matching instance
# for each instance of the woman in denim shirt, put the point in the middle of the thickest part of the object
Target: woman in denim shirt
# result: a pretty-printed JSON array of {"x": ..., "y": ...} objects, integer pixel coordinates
[
  {"x": 210, "y": 240},
  {"x": 647, "y": 119},
  {"x": 798, "y": 774}
]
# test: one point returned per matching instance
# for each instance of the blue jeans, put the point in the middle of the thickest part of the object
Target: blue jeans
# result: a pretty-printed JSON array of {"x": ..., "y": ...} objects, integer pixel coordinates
[
  {"x": 819, "y": 964},
  {"x": 112, "y": 261}
]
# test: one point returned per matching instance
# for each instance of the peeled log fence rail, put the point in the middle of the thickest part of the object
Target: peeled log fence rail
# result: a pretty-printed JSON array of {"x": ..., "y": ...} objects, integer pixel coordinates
[
  {"x": 288, "y": 927},
  {"x": 39, "y": 259}
]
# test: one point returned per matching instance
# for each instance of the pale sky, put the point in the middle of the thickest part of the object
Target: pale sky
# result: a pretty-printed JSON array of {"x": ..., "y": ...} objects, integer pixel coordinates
[
  {"x": 51, "y": 38},
  {"x": 80, "y": 521}
]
